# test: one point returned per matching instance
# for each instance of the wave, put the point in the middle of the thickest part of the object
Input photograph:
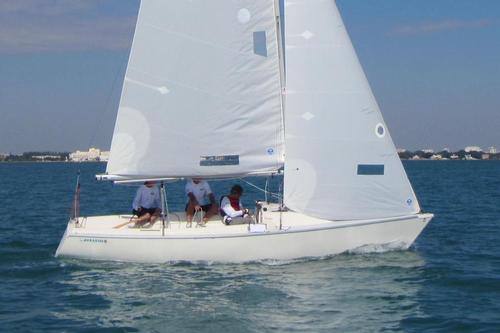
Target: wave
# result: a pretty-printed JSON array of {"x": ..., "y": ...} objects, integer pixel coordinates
[{"x": 380, "y": 248}]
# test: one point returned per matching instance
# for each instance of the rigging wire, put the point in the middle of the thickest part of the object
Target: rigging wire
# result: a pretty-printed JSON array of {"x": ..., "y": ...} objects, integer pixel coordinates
[
  {"x": 75, "y": 210},
  {"x": 106, "y": 108},
  {"x": 272, "y": 194}
]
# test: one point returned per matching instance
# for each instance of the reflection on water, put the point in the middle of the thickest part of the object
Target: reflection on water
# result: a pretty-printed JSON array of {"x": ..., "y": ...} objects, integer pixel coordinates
[{"x": 345, "y": 292}]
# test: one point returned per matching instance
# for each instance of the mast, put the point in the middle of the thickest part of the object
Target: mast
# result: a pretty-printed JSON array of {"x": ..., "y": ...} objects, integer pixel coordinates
[{"x": 280, "y": 19}]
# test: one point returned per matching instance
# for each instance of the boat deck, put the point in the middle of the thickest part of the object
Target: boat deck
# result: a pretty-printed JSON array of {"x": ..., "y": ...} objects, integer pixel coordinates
[
  {"x": 118, "y": 225},
  {"x": 271, "y": 221}
]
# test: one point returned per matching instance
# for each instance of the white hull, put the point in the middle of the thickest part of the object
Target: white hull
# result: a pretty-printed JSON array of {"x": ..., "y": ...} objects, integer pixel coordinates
[{"x": 301, "y": 236}]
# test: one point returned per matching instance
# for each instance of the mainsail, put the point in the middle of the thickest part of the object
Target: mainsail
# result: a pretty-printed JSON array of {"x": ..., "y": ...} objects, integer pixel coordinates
[
  {"x": 341, "y": 162},
  {"x": 202, "y": 92}
]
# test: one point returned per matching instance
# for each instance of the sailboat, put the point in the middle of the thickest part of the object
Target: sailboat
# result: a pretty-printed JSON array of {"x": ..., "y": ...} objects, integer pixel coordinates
[{"x": 231, "y": 89}]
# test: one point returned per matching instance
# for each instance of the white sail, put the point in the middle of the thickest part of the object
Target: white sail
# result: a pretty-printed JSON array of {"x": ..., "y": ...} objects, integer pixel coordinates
[
  {"x": 341, "y": 162},
  {"x": 201, "y": 95}
]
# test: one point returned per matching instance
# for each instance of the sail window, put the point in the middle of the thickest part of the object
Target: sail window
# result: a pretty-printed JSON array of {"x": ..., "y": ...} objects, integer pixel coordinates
[
  {"x": 371, "y": 169},
  {"x": 260, "y": 43},
  {"x": 220, "y": 160},
  {"x": 380, "y": 130},
  {"x": 308, "y": 116},
  {"x": 244, "y": 15}
]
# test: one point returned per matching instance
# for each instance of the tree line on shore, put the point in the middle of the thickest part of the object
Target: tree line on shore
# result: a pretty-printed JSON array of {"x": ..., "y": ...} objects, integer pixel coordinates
[
  {"x": 45, "y": 156},
  {"x": 447, "y": 155}
]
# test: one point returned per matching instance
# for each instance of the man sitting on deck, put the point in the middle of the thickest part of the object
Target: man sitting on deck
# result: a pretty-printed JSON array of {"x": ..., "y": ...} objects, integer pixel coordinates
[
  {"x": 231, "y": 207},
  {"x": 200, "y": 198},
  {"x": 146, "y": 204}
]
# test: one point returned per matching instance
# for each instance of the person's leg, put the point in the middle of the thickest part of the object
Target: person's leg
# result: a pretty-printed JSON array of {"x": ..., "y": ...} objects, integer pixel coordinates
[
  {"x": 155, "y": 216},
  {"x": 189, "y": 213},
  {"x": 143, "y": 219},
  {"x": 212, "y": 211}
]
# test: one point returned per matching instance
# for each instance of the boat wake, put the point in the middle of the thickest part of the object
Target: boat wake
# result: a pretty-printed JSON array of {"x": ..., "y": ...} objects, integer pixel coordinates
[{"x": 380, "y": 248}]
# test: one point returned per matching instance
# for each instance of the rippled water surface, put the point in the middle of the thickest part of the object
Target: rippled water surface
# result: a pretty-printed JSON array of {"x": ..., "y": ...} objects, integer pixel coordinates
[{"x": 448, "y": 282}]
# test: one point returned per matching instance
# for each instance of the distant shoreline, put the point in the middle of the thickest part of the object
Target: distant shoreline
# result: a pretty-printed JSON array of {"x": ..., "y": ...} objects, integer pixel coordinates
[
  {"x": 95, "y": 155},
  {"x": 103, "y": 162},
  {"x": 41, "y": 162}
]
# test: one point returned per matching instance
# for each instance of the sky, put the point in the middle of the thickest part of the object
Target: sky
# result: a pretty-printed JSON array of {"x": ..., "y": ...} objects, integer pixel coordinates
[{"x": 434, "y": 66}]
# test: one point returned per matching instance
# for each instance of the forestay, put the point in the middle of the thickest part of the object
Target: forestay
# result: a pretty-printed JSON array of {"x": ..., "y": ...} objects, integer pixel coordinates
[
  {"x": 201, "y": 95},
  {"x": 341, "y": 162}
]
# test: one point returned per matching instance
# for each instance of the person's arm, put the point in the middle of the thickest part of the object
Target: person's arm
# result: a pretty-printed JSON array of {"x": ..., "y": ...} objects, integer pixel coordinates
[
  {"x": 211, "y": 195},
  {"x": 191, "y": 198},
  {"x": 193, "y": 201},
  {"x": 157, "y": 203},
  {"x": 243, "y": 209},
  {"x": 229, "y": 210},
  {"x": 136, "y": 204}
]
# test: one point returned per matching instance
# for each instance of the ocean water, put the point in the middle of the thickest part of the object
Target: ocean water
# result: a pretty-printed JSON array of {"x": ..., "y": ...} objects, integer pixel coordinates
[{"x": 448, "y": 282}]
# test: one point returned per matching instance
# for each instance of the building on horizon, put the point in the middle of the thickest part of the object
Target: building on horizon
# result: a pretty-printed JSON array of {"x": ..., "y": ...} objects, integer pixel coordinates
[
  {"x": 492, "y": 150},
  {"x": 428, "y": 151},
  {"x": 470, "y": 149},
  {"x": 92, "y": 155},
  {"x": 104, "y": 156},
  {"x": 437, "y": 157}
]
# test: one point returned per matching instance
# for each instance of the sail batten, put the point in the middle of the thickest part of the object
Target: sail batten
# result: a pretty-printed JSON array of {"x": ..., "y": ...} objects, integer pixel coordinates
[
  {"x": 341, "y": 162},
  {"x": 201, "y": 96}
]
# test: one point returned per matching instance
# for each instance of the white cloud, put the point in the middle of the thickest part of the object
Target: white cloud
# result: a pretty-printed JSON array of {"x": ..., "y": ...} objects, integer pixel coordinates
[
  {"x": 438, "y": 26},
  {"x": 61, "y": 25}
]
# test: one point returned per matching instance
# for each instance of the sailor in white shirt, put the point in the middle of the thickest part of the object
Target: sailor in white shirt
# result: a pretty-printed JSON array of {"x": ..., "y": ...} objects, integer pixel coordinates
[
  {"x": 146, "y": 204},
  {"x": 200, "y": 198},
  {"x": 232, "y": 209}
]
